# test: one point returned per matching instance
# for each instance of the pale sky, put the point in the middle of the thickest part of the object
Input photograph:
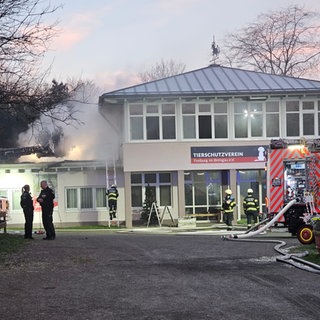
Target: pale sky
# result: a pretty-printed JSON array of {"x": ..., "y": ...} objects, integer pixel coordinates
[{"x": 111, "y": 41}]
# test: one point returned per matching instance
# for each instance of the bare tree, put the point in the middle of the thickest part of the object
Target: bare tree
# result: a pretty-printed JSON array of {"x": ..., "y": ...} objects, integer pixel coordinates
[
  {"x": 285, "y": 42},
  {"x": 25, "y": 94},
  {"x": 162, "y": 69},
  {"x": 24, "y": 37}
]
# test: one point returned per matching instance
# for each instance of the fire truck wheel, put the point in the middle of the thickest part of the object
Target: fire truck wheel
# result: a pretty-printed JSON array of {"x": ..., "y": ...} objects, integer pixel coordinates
[{"x": 305, "y": 235}]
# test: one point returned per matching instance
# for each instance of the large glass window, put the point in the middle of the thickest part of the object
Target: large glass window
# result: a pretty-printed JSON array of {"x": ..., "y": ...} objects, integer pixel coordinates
[
  {"x": 159, "y": 184},
  {"x": 85, "y": 198},
  {"x": 254, "y": 179},
  {"x": 152, "y": 121},
  {"x": 202, "y": 191},
  {"x": 248, "y": 119}
]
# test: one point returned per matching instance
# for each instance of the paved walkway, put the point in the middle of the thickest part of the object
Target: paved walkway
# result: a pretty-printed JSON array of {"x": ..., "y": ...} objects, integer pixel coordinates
[{"x": 144, "y": 274}]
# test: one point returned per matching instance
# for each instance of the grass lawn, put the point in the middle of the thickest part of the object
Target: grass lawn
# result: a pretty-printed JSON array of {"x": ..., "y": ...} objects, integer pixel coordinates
[
  {"x": 10, "y": 243},
  {"x": 313, "y": 255}
]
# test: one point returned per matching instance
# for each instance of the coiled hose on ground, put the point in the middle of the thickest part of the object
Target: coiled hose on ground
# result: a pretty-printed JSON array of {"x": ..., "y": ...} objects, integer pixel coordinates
[{"x": 294, "y": 259}]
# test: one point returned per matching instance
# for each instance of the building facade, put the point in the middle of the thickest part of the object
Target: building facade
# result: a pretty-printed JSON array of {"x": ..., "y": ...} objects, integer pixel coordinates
[
  {"x": 188, "y": 138},
  {"x": 191, "y": 136}
]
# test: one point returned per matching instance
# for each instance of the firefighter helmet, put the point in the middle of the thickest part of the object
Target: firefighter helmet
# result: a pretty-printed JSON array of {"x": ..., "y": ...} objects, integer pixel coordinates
[
  {"x": 228, "y": 191},
  {"x": 250, "y": 190}
]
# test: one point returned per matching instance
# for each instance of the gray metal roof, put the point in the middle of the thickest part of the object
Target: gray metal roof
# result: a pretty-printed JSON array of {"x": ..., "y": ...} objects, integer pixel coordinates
[{"x": 216, "y": 80}]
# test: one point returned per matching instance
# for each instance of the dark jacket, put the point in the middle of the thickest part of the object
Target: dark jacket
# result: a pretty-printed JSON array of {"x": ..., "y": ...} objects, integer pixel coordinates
[
  {"x": 250, "y": 204},
  {"x": 47, "y": 195},
  {"x": 26, "y": 201},
  {"x": 228, "y": 204},
  {"x": 112, "y": 193}
]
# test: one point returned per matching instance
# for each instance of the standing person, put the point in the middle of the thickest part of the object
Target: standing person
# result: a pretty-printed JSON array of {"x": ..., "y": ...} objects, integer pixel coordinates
[
  {"x": 227, "y": 207},
  {"x": 45, "y": 199},
  {"x": 112, "y": 194},
  {"x": 251, "y": 207},
  {"x": 26, "y": 204}
]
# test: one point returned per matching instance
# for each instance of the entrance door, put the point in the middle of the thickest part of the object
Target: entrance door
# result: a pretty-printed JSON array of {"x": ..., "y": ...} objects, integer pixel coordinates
[
  {"x": 203, "y": 191},
  {"x": 255, "y": 180}
]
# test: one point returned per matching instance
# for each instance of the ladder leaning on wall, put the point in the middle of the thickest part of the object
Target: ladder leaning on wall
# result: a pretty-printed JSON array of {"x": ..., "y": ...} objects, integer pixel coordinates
[{"x": 111, "y": 178}]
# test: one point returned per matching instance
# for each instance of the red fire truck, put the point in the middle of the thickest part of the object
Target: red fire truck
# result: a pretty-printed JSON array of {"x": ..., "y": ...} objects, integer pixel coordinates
[{"x": 294, "y": 173}]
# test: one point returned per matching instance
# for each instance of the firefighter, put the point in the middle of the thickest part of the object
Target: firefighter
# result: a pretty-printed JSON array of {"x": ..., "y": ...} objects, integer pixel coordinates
[
  {"x": 112, "y": 195},
  {"x": 251, "y": 207},
  {"x": 227, "y": 208}
]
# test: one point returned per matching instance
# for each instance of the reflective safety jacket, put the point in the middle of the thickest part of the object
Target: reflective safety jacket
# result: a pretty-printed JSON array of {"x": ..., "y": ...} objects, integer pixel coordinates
[
  {"x": 250, "y": 204},
  {"x": 228, "y": 204},
  {"x": 112, "y": 193}
]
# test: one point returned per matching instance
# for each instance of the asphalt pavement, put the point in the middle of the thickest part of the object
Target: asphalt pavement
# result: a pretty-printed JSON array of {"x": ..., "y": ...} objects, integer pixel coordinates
[{"x": 155, "y": 273}]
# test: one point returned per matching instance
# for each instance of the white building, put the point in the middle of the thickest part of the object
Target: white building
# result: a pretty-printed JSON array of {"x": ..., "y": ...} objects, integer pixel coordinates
[{"x": 189, "y": 137}]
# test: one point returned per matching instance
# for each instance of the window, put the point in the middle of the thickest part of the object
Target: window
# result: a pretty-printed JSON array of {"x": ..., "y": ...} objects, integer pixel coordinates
[
  {"x": 202, "y": 191},
  {"x": 136, "y": 196},
  {"x": 152, "y": 121},
  {"x": 72, "y": 198},
  {"x": 136, "y": 121},
  {"x": 248, "y": 119},
  {"x": 16, "y": 196},
  {"x": 101, "y": 198},
  {"x": 272, "y": 119},
  {"x": 159, "y": 184},
  {"x": 240, "y": 120},
  {"x": 168, "y": 121},
  {"x": 197, "y": 121},
  {"x": 85, "y": 198},
  {"x": 189, "y": 120},
  {"x": 292, "y": 117},
  {"x": 136, "y": 128},
  {"x": 300, "y": 118},
  {"x": 255, "y": 118},
  {"x": 204, "y": 121},
  {"x": 205, "y": 127},
  {"x": 308, "y": 118},
  {"x": 165, "y": 195},
  {"x": 220, "y": 120}
]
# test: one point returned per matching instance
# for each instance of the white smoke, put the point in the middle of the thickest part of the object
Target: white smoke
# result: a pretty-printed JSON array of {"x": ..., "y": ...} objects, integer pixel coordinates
[{"x": 88, "y": 139}]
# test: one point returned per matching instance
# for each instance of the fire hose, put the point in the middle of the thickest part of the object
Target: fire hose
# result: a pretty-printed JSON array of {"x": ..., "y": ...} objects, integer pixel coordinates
[{"x": 293, "y": 259}]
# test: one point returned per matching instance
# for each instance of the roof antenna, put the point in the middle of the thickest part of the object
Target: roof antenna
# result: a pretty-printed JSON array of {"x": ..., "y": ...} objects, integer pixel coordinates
[{"x": 215, "y": 51}]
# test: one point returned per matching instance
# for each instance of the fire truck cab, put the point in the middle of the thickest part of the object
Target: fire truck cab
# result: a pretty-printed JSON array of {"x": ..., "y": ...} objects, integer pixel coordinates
[{"x": 293, "y": 172}]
